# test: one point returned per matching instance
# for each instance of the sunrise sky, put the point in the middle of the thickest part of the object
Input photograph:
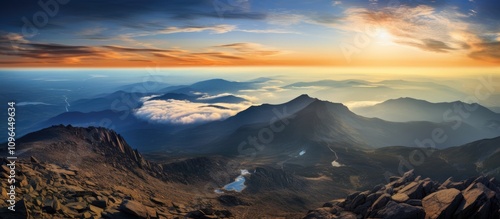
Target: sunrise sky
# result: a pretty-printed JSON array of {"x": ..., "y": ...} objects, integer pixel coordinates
[{"x": 133, "y": 33}]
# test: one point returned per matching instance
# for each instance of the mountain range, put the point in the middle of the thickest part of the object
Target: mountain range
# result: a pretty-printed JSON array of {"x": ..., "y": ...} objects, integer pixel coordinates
[
  {"x": 313, "y": 121},
  {"x": 309, "y": 121}
]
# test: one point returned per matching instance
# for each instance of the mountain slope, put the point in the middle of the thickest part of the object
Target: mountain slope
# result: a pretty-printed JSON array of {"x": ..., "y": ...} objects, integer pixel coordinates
[
  {"x": 409, "y": 109},
  {"x": 202, "y": 134}
]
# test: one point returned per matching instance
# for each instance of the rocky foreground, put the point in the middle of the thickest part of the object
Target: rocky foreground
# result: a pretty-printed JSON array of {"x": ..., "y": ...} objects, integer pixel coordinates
[
  {"x": 410, "y": 196},
  {"x": 50, "y": 191},
  {"x": 67, "y": 172}
]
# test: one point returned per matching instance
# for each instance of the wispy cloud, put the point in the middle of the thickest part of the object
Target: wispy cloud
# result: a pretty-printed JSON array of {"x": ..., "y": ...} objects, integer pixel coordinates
[
  {"x": 73, "y": 54},
  {"x": 429, "y": 45},
  {"x": 251, "y": 49},
  {"x": 218, "y": 29},
  {"x": 278, "y": 31}
]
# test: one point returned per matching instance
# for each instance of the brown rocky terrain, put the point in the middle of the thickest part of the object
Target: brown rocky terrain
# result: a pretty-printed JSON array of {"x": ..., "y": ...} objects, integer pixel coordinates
[
  {"x": 70, "y": 172},
  {"x": 411, "y": 196}
]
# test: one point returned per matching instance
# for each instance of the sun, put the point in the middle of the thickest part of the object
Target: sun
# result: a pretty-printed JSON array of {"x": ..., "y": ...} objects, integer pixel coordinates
[{"x": 384, "y": 37}]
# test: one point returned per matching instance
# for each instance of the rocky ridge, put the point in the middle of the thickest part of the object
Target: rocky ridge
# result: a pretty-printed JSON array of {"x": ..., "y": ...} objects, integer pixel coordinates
[
  {"x": 411, "y": 196},
  {"x": 68, "y": 172}
]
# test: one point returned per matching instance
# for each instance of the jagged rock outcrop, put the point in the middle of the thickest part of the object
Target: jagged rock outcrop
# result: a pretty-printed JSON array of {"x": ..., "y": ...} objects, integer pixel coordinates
[{"x": 410, "y": 196}]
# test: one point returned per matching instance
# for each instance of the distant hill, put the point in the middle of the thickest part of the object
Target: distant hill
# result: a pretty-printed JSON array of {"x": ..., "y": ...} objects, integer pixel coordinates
[
  {"x": 143, "y": 87},
  {"x": 409, "y": 109},
  {"x": 200, "y": 98},
  {"x": 117, "y": 101},
  {"x": 345, "y": 91},
  {"x": 213, "y": 87}
]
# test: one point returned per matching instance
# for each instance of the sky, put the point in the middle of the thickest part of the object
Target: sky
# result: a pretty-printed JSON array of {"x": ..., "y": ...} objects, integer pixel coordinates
[{"x": 178, "y": 33}]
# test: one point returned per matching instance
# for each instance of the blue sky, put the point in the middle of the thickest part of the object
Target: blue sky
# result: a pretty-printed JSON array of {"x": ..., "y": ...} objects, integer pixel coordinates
[{"x": 76, "y": 33}]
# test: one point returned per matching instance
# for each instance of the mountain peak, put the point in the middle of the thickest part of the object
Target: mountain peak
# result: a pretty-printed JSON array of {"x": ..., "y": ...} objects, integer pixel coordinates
[
  {"x": 303, "y": 97},
  {"x": 406, "y": 99}
]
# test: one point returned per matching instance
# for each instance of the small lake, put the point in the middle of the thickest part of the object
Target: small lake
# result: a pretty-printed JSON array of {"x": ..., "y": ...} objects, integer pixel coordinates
[{"x": 238, "y": 185}]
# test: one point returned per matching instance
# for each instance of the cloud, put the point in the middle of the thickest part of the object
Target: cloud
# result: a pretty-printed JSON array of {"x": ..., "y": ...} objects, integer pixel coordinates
[
  {"x": 128, "y": 11},
  {"x": 430, "y": 45},
  {"x": 277, "y": 31},
  {"x": 128, "y": 49},
  {"x": 285, "y": 18},
  {"x": 251, "y": 49},
  {"x": 488, "y": 51},
  {"x": 11, "y": 37},
  {"x": 185, "y": 112},
  {"x": 96, "y": 33},
  {"x": 424, "y": 27},
  {"x": 14, "y": 45},
  {"x": 218, "y": 29},
  {"x": 52, "y": 52},
  {"x": 222, "y": 55}
]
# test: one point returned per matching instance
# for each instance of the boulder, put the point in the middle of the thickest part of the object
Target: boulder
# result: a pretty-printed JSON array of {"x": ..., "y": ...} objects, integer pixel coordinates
[
  {"x": 98, "y": 211},
  {"x": 442, "y": 204},
  {"x": 395, "y": 210},
  {"x": 427, "y": 186},
  {"x": 475, "y": 196},
  {"x": 134, "y": 208},
  {"x": 100, "y": 203},
  {"x": 414, "y": 190},
  {"x": 407, "y": 177},
  {"x": 77, "y": 206},
  {"x": 446, "y": 183},
  {"x": 51, "y": 206},
  {"x": 158, "y": 201},
  {"x": 400, "y": 197},
  {"x": 151, "y": 212},
  {"x": 380, "y": 202},
  {"x": 358, "y": 200}
]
